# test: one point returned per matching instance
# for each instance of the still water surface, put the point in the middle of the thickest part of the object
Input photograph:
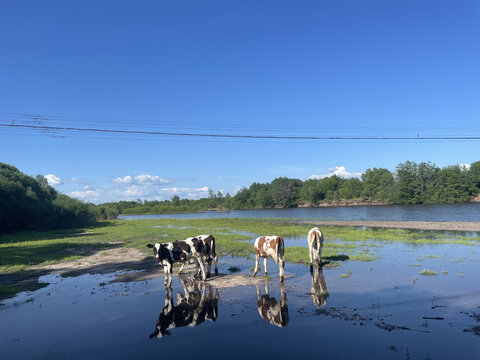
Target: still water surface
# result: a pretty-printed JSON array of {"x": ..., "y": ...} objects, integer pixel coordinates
[
  {"x": 383, "y": 310},
  {"x": 451, "y": 212}
]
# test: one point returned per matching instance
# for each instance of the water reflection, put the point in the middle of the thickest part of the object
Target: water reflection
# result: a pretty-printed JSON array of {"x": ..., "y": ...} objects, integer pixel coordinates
[
  {"x": 273, "y": 311},
  {"x": 319, "y": 286},
  {"x": 199, "y": 302}
]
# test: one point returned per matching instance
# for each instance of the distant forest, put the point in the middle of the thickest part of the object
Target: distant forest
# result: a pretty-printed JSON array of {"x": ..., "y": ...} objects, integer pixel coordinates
[
  {"x": 28, "y": 203},
  {"x": 411, "y": 183}
]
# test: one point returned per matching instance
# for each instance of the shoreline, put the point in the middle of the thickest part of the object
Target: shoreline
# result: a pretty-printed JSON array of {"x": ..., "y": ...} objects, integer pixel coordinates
[{"x": 411, "y": 225}]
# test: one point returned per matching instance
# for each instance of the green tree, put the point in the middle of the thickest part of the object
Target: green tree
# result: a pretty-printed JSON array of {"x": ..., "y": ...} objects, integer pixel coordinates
[
  {"x": 351, "y": 189},
  {"x": 284, "y": 191},
  {"x": 378, "y": 184}
]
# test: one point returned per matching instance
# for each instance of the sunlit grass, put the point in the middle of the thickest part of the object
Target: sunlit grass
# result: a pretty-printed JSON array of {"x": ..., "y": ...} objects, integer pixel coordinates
[
  {"x": 427, "y": 272},
  {"x": 22, "y": 249}
]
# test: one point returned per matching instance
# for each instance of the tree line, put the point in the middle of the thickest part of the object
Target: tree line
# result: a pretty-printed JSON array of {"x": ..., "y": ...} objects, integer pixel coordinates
[
  {"x": 410, "y": 183},
  {"x": 31, "y": 203}
]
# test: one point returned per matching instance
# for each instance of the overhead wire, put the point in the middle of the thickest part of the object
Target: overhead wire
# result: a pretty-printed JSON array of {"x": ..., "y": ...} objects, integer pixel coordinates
[{"x": 65, "y": 126}]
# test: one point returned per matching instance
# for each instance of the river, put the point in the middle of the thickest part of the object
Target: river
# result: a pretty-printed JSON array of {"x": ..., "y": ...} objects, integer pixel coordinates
[{"x": 449, "y": 212}]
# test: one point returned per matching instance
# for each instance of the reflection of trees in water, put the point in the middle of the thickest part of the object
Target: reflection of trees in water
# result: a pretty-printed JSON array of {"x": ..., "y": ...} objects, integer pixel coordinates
[
  {"x": 194, "y": 306},
  {"x": 319, "y": 286},
  {"x": 273, "y": 311}
]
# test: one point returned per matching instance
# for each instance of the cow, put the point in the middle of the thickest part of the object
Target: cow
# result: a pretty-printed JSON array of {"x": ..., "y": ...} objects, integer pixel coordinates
[
  {"x": 208, "y": 253},
  {"x": 179, "y": 251},
  {"x": 191, "y": 310},
  {"x": 273, "y": 311},
  {"x": 266, "y": 246},
  {"x": 319, "y": 287},
  {"x": 315, "y": 246}
]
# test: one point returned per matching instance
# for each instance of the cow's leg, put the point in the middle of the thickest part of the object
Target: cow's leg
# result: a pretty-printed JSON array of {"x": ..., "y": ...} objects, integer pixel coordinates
[
  {"x": 181, "y": 268},
  {"x": 202, "y": 268},
  {"x": 170, "y": 272},
  {"x": 215, "y": 260},
  {"x": 283, "y": 296},
  {"x": 165, "y": 272},
  {"x": 281, "y": 265},
  {"x": 209, "y": 265},
  {"x": 310, "y": 252},
  {"x": 197, "y": 267},
  {"x": 256, "y": 265},
  {"x": 265, "y": 266},
  {"x": 320, "y": 254}
]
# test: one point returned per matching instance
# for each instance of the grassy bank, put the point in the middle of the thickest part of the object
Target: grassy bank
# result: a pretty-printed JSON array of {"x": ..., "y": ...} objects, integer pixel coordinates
[{"x": 20, "y": 250}]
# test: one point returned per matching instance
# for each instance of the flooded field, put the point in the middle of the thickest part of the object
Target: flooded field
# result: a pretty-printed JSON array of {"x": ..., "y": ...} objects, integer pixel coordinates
[{"x": 382, "y": 309}]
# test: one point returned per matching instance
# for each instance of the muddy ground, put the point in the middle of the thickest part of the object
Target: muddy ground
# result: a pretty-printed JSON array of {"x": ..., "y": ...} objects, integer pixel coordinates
[
  {"x": 132, "y": 265},
  {"x": 412, "y": 225}
]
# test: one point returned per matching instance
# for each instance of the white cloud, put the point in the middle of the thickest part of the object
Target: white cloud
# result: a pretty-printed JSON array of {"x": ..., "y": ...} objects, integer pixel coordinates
[
  {"x": 53, "y": 180},
  {"x": 87, "y": 195},
  {"x": 125, "y": 180},
  {"x": 82, "y": 181},
  {"x": 340, "y": 171},
  {"x": 236, "y": 190},
  {"x": 142, "y": 179},
  {"x": 465, "y": 166}
]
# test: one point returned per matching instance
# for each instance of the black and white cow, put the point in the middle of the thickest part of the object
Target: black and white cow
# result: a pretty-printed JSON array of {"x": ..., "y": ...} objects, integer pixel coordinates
[
  {"x": 273, "y": 311},
  {"x": 179, "y": 251},
  {"x": 209, "y": 253},
  {"x": 319, "y": 286},
  {"x": 192, "y": 309}
]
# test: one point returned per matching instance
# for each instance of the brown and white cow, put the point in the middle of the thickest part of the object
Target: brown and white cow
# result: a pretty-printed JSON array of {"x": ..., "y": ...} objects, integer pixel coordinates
[
  {"x": 273, "y": 311},
  {"x": 315, "y": 246},
  {"x": 209, "y": 254},
  {"x": 319, "y": 286},
  {"x": 273, "y": 246}
]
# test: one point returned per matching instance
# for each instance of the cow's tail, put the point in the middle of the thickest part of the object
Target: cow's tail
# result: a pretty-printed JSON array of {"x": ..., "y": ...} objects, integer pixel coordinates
[
  {"x": 280, "y": 250},
  {"x": 316, "y": 243},
  {"x": 214, "y": 254}
]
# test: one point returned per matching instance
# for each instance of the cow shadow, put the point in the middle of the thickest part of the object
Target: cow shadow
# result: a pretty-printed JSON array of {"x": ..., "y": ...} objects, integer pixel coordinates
[
  {"x": 319, "y": 286},
  {"x": 198, "y": 303},
  {"x": 273, "y": 311}
]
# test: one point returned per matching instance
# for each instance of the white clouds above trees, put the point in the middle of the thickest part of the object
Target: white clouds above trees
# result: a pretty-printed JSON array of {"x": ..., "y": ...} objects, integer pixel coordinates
[{"x": 340, "y": 171}]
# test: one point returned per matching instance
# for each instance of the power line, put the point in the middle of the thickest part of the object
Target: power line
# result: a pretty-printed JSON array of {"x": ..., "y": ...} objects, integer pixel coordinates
[{"x": 235, "y": 136}]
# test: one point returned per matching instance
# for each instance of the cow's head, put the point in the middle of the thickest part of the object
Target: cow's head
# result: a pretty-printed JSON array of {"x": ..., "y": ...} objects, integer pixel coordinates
[{"x": 156, "y": 249}]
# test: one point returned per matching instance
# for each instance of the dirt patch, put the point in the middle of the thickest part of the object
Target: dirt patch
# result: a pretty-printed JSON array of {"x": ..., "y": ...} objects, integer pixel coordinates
[
  {"x": 476, "y": 198},
  {"x": 135, "y": 264},
  {"x": 108, "y": 258},
  {"x": 412, "y": 225}
]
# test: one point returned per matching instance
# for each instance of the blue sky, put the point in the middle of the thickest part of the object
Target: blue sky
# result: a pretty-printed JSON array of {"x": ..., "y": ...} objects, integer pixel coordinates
[{"x": 321, "y": 68}]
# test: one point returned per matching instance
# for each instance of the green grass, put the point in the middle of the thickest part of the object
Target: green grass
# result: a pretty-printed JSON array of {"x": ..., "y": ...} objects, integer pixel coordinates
[
  {"x": 22, "y": 249},
  {"x": 427, "y": 272}
]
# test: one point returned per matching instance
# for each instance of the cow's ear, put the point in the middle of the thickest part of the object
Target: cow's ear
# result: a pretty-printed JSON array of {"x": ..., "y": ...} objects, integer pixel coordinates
[{"x": 149, "y": 245}]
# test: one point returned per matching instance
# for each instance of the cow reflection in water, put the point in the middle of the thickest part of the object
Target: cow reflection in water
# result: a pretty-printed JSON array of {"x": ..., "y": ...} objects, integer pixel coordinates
[
  {"x": 319, "y": 286},
  {"x": 273, "y": 311},
  {"x": 198, "y": 303}
]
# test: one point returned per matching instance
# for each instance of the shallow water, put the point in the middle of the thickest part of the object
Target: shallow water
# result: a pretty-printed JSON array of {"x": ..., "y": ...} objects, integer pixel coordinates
[
  {"x": 446, "y": 212},
  {"x": 385, "y": 309}
]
